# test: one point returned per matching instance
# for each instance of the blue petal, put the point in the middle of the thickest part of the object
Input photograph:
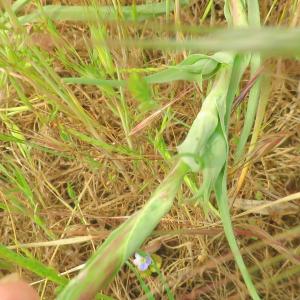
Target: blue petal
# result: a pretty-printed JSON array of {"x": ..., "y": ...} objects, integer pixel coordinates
[
  {"x": 148, "y": 260},
  {"x": 143, "y": 267}
]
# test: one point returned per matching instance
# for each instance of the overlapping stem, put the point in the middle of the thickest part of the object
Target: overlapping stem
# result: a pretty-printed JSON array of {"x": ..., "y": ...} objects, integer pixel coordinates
[{"x": 121, "y": 244}]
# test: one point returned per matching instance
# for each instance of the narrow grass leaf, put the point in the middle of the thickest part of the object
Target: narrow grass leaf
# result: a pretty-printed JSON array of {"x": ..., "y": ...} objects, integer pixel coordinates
[
  {"x": 239, "y": 66},
  {"x": 98, "y": 142},
  {"x": 254, "y": 21},
  {"x": 143, "y": 284},
  {"x": 91, "y": 14},
  {"x": 94, "y": 81},
  {"x": 267, "y": 41},
  {"x": 32, "y": 265},
  {"x": 164, "y": 282},
  {"x": 261, "y": 109},
  {"x": 195, "y": 67}
]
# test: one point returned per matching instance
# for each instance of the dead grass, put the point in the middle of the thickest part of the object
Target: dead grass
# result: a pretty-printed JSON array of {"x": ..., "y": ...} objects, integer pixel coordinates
[{"x": 112, "y": 187}]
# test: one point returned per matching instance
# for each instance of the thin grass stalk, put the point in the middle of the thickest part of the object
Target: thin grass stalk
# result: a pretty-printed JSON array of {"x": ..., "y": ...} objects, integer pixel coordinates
[
  {"x": 254, "y": 21},
  {"x": 262, "y": 105}
]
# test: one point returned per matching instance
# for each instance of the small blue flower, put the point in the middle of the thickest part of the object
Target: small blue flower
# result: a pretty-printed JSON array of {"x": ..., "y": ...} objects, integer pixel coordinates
[{"x": 142, "y": 262}]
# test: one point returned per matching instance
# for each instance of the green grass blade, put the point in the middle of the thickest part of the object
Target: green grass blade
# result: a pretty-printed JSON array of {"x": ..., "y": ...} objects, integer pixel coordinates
[
  {"x": 16, "y": 178},
  {"x": 222, "y": 200},
  {"x": 91, "y": 14},
  {"x": 195, "y": 67},
  {"x": 99, "y": 143},
  {"x": 94, "y": 81},
  {"x": 261, "y": 109},
  {"x": 254, "y": 21},
  {"x": 16, "y": 133},
  {"x": 268, "y": 41},
  {"x": 238, "y": 69},
  {"x": 163, "y": 281},
  {"x": 240, "y": 64},
  {"x": 143, "y": 284},
  {"x": 251, "y": 108},
  {"x": 103, "y": 297},
  {"x": 18, "y": 5},
  {"x": 206, "y": 11},
  {"x": 31, "y": 264}
]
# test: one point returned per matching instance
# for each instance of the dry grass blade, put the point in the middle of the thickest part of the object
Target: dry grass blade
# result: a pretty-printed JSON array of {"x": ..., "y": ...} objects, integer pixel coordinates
[
  {"x": 238, "y": 100},
  {"x": 282, "y": 209},
  {"x": 262, "y": 207},
  {"x": 263, "y": 147},
  {"x": 72, "y": 171}
]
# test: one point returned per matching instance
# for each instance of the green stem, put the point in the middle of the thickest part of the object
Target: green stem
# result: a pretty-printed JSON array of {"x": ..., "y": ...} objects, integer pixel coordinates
[
  {"x": 125, "y": 240},
  {"x": 254, "y": 22},
  {"x": 91, "y": 14},
  {"x": 222, "y": 199}
]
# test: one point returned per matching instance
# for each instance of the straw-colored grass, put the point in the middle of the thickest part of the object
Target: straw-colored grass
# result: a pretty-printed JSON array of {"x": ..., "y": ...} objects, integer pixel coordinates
[{"x": 70, "y": 172}]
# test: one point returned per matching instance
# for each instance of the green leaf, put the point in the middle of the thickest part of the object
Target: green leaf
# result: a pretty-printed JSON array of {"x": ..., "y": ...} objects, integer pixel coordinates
[
  {"x": 220, "y": 187},
  {"x": 6, "y": 266},
  {"x": 64, "y": 135},
  {"x": 103, "y": 297},
  {"x": 10, "y": 138},
  {"x": 140, "y": 90},
  {"x": 97, "y": 142},
  {"x": 24, "y": 186},
  {"x": 213, "y": 161},
  {"x": 259, "y": 195},
  {"x": 254, "y": 95},
  {"x": 194, "y": 68},
  {"x": 32, "y": 265},
  {"x": 195, "y": 144},
  {"x": 91, "y": 14},
  {"x": 71, "y": 191},
  {"x": 222, "y": 200}
]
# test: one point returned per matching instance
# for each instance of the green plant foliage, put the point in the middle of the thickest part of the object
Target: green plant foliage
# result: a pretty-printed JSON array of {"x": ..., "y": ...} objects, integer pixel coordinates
[
  {"x": 141, "y": 91},
  {"x": 91, "y": 14},
  {"x": 32, "y": 265}
]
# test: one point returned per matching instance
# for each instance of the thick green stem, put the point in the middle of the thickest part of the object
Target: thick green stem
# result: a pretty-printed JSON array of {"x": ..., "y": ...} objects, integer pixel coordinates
[{"x": 123, "y": 241}]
